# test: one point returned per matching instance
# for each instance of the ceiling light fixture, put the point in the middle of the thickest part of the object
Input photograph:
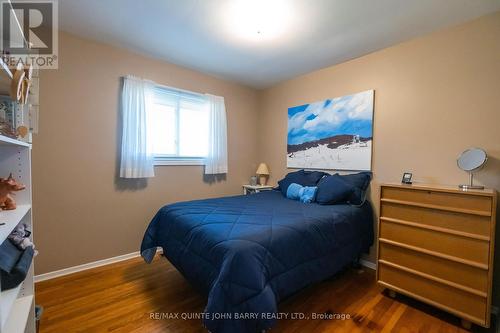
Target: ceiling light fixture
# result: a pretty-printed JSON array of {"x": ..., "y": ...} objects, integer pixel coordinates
[{"x": 258, "y": 19}]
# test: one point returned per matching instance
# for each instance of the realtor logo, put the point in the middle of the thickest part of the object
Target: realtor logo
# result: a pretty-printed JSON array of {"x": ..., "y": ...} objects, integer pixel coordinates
[{"x": 29, "y": 33}]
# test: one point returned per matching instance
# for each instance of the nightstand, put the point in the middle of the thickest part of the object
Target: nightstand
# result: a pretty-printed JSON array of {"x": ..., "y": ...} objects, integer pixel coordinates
[{"x": 250, "y": 189}]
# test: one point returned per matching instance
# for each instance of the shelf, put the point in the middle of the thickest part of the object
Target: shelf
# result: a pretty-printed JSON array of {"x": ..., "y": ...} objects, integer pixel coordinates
[
  {"x": 7, "y": 300},
  {"x": 18, "y": 318},
  {"x": 16, "y": 306},
  {"x": 11, "y": 218},
  {"x": 6, "y": 141}
]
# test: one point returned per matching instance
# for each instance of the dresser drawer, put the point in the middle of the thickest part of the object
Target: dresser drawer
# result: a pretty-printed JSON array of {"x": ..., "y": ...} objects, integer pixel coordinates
[
  {"x": 476, "y": 203},
  {"x": 442, "y": 243},
  {"x": 461, "y": 303},
  {"x": 454, "y": 272},
  {"x": 472, "y": 224}
]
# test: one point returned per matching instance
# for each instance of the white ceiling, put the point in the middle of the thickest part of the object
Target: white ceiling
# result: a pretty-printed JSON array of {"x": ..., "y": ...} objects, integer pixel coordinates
[{"x": 198, "y": 34}]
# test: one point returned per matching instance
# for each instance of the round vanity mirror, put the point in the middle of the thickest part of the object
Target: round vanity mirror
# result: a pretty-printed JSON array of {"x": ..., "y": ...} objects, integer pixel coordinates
[{"x": 472, "y": 160}]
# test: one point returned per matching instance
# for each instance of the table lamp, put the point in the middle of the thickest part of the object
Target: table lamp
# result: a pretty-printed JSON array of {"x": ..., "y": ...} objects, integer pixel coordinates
[{"x": 263, "y": 173}]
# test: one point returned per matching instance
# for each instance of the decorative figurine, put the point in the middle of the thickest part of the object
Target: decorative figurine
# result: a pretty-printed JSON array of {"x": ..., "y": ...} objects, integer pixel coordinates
[{"x": 7, "y": 187}]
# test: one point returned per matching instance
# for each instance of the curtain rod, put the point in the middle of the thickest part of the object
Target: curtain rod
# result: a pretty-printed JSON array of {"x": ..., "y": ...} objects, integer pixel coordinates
[
  {"x": 180, "y": 90},
  {"x": 165, "y": 86}
]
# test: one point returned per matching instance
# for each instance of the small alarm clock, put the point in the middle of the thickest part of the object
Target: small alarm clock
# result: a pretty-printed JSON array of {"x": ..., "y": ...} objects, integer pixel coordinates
[{"x": 406, "y": 178}]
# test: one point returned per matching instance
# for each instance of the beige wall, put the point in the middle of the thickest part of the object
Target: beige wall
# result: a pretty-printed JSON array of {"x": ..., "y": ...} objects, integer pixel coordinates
[
  {"x": 434, "y": 97},
  {"x": 82, "y": 211}
]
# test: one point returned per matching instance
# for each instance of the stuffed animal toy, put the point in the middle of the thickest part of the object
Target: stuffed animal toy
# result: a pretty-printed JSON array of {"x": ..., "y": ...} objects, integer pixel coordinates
[
  {"x": 7, "y": 187},
  {"x": 19, "y": 237}
]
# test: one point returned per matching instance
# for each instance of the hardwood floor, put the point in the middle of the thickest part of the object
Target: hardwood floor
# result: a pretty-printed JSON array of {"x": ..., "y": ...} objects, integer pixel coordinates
[{"x": 121, "y": 298}]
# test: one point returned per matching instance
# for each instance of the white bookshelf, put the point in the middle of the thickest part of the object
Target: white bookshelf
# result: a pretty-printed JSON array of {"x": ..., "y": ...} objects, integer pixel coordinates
[
  {"x": 9, "y": 297},
  {"x": 6, "y": 141},
  {"x": 17, "y": 305},
  {"x": 21, "y": 316}
]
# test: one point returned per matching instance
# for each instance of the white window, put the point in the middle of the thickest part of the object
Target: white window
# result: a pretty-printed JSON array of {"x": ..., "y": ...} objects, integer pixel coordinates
[{"x": 179, "y": 127}]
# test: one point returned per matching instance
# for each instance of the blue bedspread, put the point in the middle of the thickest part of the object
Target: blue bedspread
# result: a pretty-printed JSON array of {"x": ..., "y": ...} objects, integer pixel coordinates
[{"x": 249, "y": 252}]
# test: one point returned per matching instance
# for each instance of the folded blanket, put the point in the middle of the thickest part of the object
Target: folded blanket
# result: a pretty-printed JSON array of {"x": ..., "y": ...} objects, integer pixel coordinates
[
  {"x": 305, "y": 194},
  {"x": 17, "y": 274},
  {"x": 9, "y": 256}
]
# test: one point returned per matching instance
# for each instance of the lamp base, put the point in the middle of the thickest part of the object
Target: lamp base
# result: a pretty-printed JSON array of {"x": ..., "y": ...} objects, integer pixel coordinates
[
  {"x": 471, "y": 187},
  {"x": 262, "y": 180}
]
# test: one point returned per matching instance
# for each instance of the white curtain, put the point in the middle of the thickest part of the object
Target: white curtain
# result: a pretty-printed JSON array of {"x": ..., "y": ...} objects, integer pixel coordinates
[
  {"x": 216, "y": 161},
  {"x": 137, "y": 160}
]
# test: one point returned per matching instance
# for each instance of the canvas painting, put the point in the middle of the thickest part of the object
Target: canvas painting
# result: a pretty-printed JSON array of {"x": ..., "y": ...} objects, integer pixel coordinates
[{"x": 332, "y": 134}]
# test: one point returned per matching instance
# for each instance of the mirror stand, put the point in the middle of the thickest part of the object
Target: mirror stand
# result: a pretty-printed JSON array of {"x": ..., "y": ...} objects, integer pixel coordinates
[{"x": 471, "y": 185}]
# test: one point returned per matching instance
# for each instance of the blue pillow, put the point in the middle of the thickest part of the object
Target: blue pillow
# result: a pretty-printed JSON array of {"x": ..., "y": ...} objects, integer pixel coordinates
[
  {"x": 360, "y": 182},
  {"x": 301, "y": 177},
  {"x": 303, "y": 193},
  {"x": 333, "y": 189}
]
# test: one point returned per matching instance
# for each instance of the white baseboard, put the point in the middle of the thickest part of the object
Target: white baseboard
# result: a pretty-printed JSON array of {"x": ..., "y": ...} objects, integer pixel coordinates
[
  {"x": 79, "y": 268},
  {"x": 368, "y": 264}
]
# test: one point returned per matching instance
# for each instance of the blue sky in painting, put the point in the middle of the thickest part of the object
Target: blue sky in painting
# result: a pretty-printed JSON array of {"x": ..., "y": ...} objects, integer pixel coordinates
[{"x": 352, "y": 114}]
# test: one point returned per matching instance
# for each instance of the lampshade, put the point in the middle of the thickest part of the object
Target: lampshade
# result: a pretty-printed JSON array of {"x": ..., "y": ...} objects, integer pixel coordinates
[{"x": 262, "y": 169}]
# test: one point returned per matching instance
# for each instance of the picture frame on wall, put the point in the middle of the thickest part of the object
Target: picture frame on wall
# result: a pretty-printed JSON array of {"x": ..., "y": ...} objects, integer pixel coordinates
[{"x": 334, "y": 134}]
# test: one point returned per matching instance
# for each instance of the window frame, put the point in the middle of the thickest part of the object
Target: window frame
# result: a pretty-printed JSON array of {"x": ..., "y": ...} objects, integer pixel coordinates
[{"x": 164, "y": 159}]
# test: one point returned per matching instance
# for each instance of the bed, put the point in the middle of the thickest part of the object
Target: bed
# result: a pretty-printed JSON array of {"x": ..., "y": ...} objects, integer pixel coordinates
[{"x": 247, "y": 253}]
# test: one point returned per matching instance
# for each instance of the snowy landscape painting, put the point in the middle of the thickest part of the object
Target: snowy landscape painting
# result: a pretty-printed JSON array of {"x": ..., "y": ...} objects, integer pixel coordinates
[{"x": 332, "y": 134}]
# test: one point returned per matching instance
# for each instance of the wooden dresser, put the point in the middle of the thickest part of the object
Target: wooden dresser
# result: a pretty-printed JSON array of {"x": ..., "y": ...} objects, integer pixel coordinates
[{"x": 436, "y": 244}]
